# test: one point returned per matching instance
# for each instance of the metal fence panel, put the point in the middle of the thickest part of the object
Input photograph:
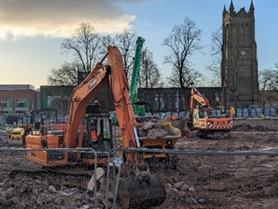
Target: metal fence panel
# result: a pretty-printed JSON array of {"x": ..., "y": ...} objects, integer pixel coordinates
[
  {"x": 218, "y": 179},
  {"x": 193, "y": 179}
]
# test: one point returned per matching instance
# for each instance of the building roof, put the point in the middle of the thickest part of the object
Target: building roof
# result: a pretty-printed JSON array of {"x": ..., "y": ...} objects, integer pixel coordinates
[{"x": 16, "y": 87}]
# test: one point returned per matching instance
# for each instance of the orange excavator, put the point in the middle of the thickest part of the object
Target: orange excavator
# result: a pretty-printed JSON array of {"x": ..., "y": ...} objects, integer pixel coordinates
[
  {"x": 201, "y": 118},
  {"x": 133, "y": 189}
]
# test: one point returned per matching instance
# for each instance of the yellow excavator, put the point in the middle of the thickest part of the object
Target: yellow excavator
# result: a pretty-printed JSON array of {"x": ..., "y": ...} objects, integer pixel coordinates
[{"x": 133, "y": 189}]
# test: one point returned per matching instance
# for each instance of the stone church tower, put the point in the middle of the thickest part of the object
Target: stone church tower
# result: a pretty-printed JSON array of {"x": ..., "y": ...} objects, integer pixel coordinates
[{"x": 239, "y": 66}]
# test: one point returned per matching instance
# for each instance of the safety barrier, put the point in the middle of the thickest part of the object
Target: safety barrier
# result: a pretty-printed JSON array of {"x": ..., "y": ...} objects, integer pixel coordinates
[
  {"x": 251, "y": 112},
  {"x": 240, "y": 113}
]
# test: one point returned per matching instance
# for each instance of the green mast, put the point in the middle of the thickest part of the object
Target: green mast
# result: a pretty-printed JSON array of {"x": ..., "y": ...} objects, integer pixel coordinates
[
  {"x": 135, "y": 72},
  {"x": 133, "y": 90}
]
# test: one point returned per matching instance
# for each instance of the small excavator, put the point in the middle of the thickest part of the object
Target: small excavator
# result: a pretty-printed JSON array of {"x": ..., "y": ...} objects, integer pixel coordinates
[
  {"x": 133, "y": 189},
  {"x": 201, "y": 118}
]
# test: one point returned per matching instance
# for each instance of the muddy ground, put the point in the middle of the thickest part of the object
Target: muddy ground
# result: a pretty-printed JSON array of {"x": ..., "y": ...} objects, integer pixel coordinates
[
  {"x": 199, "y": 182},
  {"x": 227, "y": 181}
]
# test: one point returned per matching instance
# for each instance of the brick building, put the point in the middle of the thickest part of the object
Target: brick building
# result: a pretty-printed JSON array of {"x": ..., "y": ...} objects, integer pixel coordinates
[
  {"x": 16, "y": 101},
  {"x": 52, "y": 101},
  {"x": 175, "y": 99}
]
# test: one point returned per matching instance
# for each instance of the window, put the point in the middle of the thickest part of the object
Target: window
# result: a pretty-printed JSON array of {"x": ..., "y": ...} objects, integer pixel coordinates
[
  {"x": 241, "y": 35},
  {"x": 19, "y": 102},
  {"x": 247, "y": 34},
  {"x": 162, "y": 103},
  {"x": 4, "y": 103},
  {"x": 156, "y": 103}
]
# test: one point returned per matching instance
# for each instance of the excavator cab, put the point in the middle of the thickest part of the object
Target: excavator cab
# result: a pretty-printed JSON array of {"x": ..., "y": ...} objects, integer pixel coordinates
[{"x": 98, "y": 132}]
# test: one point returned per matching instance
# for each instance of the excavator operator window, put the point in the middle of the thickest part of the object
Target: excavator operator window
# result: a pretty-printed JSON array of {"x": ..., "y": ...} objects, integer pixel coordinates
[
  {"x": 100, "y": 132},
  {"x": 203, "y": 114},
  {"x": 93, "y": 132},
  {"x": 105, "y": 134}
]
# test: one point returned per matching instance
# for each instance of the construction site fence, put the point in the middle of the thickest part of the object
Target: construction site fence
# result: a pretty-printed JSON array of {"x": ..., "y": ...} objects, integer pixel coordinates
[
  {"x": 196, "y": 179},
  {"x": 239, "y": 113},
  {"x": 253, "y": 112}
]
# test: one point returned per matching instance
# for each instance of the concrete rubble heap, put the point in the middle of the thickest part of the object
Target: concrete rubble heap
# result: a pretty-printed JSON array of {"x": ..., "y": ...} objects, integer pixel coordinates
[{"x": 156, "y": 129}]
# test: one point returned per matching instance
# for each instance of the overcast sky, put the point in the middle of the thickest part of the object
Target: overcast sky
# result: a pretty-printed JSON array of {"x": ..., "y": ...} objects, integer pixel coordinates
[{"x": 31, "y": 31}]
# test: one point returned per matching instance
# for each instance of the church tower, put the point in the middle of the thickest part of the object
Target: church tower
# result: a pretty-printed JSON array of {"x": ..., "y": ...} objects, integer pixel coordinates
[{"x": 239, "y": 66}]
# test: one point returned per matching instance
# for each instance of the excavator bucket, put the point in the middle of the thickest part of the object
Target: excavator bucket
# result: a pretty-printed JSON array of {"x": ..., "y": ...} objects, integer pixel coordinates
[{"x": 135, "y": 193}]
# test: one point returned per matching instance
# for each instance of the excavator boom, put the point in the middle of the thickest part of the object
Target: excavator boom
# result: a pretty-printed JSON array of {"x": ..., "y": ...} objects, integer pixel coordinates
[{"x": 132, "y": 189}]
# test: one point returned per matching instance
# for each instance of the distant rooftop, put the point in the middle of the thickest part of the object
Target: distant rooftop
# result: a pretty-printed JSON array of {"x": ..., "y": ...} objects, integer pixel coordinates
[{"x": 16, "y": 87}]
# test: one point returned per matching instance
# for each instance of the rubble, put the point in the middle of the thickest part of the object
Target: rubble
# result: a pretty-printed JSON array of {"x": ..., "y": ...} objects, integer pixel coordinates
[
  {"x": 27, "y": 192},
  {"x": 198, "y": 182},
  {"x": 34, "y": 192},
  {"x": 153, "y": 129},
  {"x": 157, "y": 129}
]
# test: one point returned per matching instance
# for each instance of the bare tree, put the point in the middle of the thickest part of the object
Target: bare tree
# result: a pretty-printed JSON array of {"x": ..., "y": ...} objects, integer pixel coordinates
[
  {"x": 66, "y": 75},
  {"x": 268, "y": 81},
  {"x": 216, "y": 53},
  {"x": 84, "y": 45},
  {"x": 88, "y": 47},
  {"x": 149, "y": 75},
  {"x": 183, "y": 42},
  {"x": 190, "y": 77},
  {"x": 107, "y": 40},
  {"x": 126, "y": 42}
]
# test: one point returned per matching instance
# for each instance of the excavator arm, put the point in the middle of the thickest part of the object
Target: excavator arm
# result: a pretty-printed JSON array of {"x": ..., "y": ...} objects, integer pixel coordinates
[
  {"x": 79, "y": 99},
  {"x": 138, "y": 187},
  {"x": 114, "y": 75},
  {"x": 198, "y": 98}
]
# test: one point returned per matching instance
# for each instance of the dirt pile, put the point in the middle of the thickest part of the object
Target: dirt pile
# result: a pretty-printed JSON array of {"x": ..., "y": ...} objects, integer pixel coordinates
[{"x": 157, "y": 129}]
